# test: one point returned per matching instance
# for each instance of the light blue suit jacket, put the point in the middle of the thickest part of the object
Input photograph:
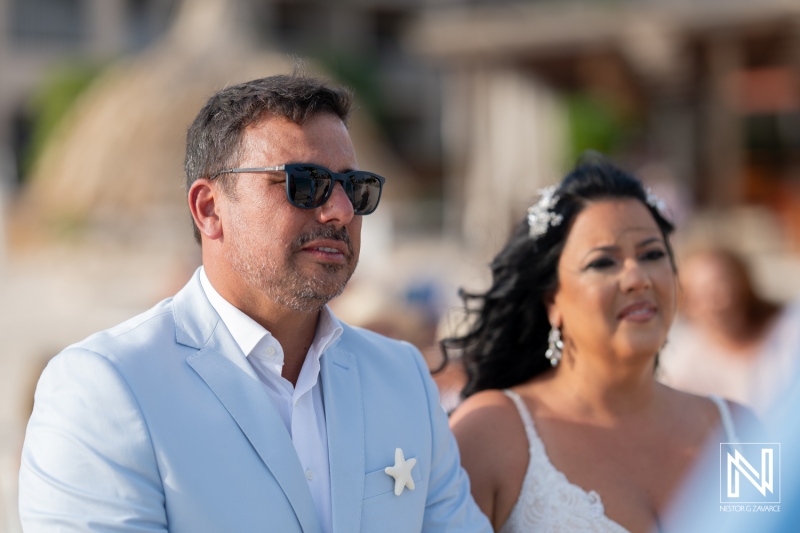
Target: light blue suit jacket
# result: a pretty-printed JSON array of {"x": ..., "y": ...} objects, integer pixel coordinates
[{"x": 160, "y": 424}]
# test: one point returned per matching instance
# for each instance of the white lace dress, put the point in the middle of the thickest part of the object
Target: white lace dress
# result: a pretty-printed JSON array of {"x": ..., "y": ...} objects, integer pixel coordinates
[{"x": 549, "y": 502}]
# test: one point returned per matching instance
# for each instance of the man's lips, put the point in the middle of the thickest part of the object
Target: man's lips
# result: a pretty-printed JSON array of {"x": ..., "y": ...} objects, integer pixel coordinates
[
  {"x": 327, "y": 249},
  {"x": 638, "y": 312}
]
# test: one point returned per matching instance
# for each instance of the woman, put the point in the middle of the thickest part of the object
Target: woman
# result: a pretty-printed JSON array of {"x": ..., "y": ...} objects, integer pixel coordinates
[
  {"x": 560, "y": 361},
  {"x": 728, "y": 325}
]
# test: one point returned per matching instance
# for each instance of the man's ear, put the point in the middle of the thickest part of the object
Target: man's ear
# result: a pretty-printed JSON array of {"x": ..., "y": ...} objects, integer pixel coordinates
[{"x": 203, "y": 203}]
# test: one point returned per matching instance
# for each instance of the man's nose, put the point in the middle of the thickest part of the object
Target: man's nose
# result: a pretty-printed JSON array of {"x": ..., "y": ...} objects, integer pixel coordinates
[{"x": 338, "y": 209}]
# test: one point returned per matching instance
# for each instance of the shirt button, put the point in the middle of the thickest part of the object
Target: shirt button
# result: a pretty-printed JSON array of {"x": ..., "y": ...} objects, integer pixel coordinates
[
  {"x": 270, "y": 350},
  {"x": 309, "y": 475}
]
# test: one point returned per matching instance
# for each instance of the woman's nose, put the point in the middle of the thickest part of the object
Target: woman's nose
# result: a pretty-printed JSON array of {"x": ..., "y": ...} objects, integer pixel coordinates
[{"x": 634, "y": 277}]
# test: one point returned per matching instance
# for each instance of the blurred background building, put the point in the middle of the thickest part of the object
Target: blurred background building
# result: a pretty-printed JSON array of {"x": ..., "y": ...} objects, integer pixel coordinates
[
  {"x": 702, "y": 96},
  {"x": 466, "y": 106}
]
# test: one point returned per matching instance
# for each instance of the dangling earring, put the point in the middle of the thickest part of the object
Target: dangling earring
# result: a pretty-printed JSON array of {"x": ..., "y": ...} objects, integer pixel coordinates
[{"x": 554, "y": 346}]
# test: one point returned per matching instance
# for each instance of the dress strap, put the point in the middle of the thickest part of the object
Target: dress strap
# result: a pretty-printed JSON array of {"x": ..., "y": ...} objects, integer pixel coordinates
[
  {"x": 725, "y": 416},
  {"x": 524, "y": 414}
]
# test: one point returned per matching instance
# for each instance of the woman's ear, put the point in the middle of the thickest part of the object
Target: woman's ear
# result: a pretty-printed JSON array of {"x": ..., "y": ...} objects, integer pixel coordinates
[
  {"x": 203, "y": 203},
  {"x": 553, "y": 312}
]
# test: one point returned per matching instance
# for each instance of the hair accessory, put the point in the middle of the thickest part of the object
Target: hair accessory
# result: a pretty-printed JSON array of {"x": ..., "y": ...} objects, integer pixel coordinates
[
  {"x": 555, "y": 346},
  {"x": 541, "y": 215},
  {"x": 657, "y": 203}
]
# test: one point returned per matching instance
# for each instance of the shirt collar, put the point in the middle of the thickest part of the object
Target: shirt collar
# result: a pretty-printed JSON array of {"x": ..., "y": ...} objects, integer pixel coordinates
[{"x": 248, "y": 333}]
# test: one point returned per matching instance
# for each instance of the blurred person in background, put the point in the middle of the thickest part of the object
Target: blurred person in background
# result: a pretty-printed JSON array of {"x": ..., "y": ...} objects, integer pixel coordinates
[
  {"x": 410, "y": 315},
  {"x": 731, "y": 341},
  {"x": 243, "y": 404},
  {"x": 564, "y": 427}
]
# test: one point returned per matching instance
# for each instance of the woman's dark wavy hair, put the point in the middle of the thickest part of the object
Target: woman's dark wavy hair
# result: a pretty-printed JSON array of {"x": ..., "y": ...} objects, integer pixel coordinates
[{"x": 507, "y": 339}]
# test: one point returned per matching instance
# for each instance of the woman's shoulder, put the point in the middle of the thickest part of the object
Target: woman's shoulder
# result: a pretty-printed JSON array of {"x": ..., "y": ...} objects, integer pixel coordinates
[
  {"x": 492, "y": 407},
  {"x": 487, "y": 418},
  {"x": 713, "y": 410},
  {"x": 746, "y": 424},
  {"x": 494, "y": 450},
  {"x": 488, "y": 425}
]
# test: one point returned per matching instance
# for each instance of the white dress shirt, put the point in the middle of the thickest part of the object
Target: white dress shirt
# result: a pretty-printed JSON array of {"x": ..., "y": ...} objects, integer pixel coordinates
[{"x": 300, "y": 406}]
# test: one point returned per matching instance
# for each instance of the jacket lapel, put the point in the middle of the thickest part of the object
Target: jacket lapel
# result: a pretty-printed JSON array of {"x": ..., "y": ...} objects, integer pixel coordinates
[
  {"x": 222, "y": 365},
  {"x": 341, "y": 388}
]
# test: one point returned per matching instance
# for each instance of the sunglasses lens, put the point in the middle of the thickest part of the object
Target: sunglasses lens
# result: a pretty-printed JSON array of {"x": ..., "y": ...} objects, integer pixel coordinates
[
  {"x": 366, "y": 193},
  {"x": 308, "y": 186}
]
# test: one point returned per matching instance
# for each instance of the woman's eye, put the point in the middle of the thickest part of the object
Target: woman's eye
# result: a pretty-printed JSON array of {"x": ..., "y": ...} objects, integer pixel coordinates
[
  {"x": 599, "y": 264},
  {"x": 654, "y": 255}
]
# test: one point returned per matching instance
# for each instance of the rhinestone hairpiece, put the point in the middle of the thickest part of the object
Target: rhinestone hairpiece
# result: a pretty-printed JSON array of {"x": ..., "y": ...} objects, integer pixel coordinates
[
  {"x": 541, "y": 215},
  {"x": 656, "y": 203}
]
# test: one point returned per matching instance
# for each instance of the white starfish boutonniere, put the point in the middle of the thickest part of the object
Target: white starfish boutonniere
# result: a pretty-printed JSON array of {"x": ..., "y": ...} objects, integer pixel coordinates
[{"x": 401, "y": 472}]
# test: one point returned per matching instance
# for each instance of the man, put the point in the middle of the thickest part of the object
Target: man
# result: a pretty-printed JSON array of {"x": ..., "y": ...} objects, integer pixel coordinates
[{"x": 242, "y": 404}]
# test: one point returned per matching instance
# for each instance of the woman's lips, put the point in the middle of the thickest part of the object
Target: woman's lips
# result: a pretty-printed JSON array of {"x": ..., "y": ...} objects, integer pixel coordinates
[{"x": 638, "y": 312}]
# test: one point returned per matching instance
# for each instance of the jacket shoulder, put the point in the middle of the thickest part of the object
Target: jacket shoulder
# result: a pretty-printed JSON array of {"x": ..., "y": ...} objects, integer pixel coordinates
[
  {"x": 151, "y": 329},
  {"x": 364, "y": 341}
]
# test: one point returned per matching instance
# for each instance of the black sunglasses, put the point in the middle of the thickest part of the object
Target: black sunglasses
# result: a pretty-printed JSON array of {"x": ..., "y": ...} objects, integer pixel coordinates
[{"x": 309, "y": 186}]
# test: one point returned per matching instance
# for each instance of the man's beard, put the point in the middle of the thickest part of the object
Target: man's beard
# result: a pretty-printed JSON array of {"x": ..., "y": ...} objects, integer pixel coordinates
[{"x": 281, "y": 281}]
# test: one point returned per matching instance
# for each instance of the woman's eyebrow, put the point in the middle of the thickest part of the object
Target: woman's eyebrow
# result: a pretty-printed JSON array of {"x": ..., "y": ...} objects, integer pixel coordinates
[
  {"x": 610, "y": 248},
  {"x": 646, "y": 242}
]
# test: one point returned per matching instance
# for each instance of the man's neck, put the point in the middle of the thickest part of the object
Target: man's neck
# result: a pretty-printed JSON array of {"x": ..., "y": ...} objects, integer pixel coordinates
[
  {"x": 295, "y": 335},
  {"x": 294, "y": 330}
]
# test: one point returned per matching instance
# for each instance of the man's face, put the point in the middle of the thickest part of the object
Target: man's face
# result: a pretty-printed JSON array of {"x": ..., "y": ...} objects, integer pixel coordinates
[{"x": 297, "y": 258}]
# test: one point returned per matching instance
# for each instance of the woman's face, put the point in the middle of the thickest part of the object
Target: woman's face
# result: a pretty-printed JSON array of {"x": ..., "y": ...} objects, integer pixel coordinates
[{"x": 616, "y": 294}]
